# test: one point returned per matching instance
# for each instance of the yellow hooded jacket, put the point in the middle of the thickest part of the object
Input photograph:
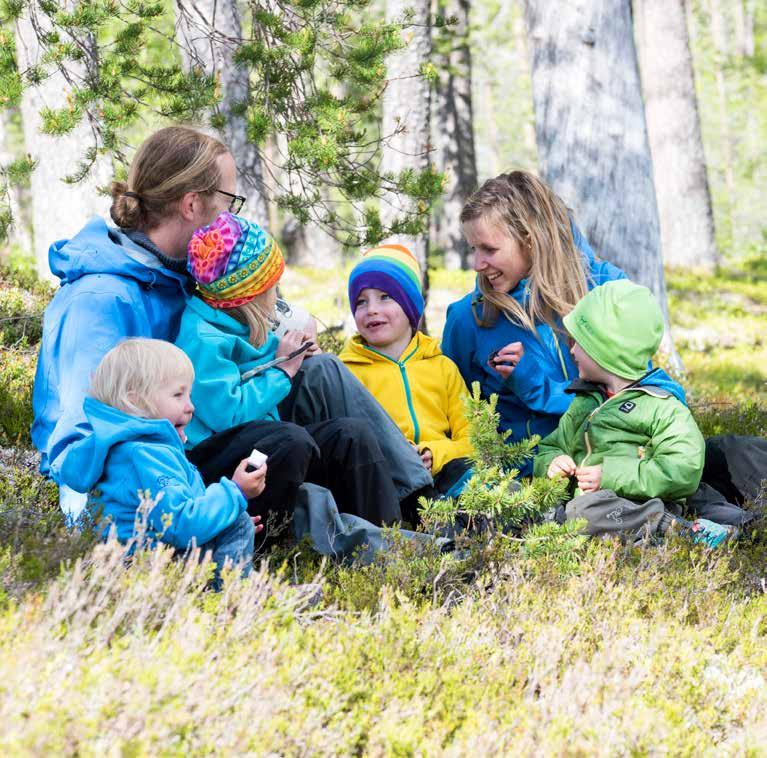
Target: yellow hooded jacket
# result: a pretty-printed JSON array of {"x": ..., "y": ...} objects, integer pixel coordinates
[{"x": 423, "y": 392}]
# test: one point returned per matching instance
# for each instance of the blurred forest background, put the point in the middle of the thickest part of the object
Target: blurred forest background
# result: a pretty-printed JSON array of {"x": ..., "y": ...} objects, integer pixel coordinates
[{"x": 339, "y": 113}]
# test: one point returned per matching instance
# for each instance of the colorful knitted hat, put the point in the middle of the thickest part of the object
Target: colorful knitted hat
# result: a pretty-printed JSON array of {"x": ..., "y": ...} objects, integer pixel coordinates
[
  {"x": 233, "y": 260},
  {"x": 394, "y": 270}
]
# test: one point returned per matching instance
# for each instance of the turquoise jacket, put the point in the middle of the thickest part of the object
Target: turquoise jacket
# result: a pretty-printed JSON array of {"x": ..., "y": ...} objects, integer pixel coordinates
[
  {"x": 219, "y": 349},
  {"x": 533, "y": 398},
  {"x": 125, "y": 455}
]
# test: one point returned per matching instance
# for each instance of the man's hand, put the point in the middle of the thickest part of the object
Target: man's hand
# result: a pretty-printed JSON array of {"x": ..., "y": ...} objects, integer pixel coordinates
[
  {"x": 589, "y": 478},
  {"x": 252, "y": 483},
  {"x": 505, "y": 360},
  {"x": 562, "y": 465}
]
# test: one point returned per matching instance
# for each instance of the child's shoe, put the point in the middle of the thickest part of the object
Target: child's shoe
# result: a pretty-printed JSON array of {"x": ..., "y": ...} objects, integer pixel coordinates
[{"x": 701, "y": 531}]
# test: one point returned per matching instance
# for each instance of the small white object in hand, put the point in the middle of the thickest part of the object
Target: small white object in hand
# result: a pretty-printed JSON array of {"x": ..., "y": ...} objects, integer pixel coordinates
[{"x": 257, "y": 459}]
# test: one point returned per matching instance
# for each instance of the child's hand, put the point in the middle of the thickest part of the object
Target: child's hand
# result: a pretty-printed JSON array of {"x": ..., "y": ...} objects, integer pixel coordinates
[
  {"x": 291, "y": 341},
  {"x": 562, "y": 465},
  {"x": 589, "y": 478},
  {"x": 257, "y": 523},
  {"x": 427, "y": 458},
  {"x": 251, "y": 483},
  {"x": 505, "y": 360}
]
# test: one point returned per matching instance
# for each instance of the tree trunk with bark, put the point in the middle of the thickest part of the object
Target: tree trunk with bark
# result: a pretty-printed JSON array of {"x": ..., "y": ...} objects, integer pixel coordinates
[
  {"x": 455, "y": 130},
  {"x": 209, "y": 34},
  {"x": 673, "y": 126},
  {"x": 58, "y": 209},
  {"x": 591, "y": 132},
  {"x": 406, "y": 115},
  {"x": 20, "y": 231}
]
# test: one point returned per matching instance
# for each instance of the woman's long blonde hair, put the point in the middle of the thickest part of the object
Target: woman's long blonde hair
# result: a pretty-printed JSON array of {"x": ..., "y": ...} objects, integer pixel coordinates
[
  {"x": 256, "y": 317},
  {"x": 533, "y": 215}
]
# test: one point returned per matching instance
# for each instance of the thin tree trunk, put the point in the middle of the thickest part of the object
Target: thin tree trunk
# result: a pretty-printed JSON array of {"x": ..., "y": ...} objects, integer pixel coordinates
[
  {"x": 209, "y": 34},
  {"x": 406, "y": 113},
  {"x": 591, "y": 133},
  {"x": 719, "y": 35},
  {"x": 19, "y": 233},
  {"x": 455, "y": 130},
  {"x": 59, "y": 209},
  {"x": 673, "y": 126}
]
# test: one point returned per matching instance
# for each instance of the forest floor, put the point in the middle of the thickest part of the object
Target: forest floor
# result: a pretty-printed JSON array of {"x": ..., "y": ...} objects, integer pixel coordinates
[{"x": 598, "y": 648}]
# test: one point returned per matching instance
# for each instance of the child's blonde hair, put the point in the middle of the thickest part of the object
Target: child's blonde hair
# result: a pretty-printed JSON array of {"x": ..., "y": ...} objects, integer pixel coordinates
[
  {"x": 539, "y": 221},
  {"x": 128, "y": 376},
  {"x": 255, "y": 316}
]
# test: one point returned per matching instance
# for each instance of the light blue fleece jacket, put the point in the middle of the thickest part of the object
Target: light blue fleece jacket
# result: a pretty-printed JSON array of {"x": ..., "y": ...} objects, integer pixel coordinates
[
  {"x": 125, "y": 455},
  {"x": 111, "y": 289},
  {"x": 219, "y": 349},
  {"x": 533, "y": 398}
]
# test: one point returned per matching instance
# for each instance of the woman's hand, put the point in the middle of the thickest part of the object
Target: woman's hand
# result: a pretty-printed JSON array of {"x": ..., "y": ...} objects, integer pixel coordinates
[
  {"x": 252, "y": 483},
  {"x": 290, "y": 342},
  {"x": 505, "y": 360}
]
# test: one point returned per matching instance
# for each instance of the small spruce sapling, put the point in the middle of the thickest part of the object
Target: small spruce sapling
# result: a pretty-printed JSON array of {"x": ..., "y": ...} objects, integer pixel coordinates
[{"x": 493, "y": 496}]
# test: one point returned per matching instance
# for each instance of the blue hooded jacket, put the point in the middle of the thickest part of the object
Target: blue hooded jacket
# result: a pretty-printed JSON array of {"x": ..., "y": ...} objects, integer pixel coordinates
[
  {"x": 125, "y": 455},
  {"x": 533, "y": 398},
  {"x": 219, "y": 349},
  {"x": 111, "y": 289}
]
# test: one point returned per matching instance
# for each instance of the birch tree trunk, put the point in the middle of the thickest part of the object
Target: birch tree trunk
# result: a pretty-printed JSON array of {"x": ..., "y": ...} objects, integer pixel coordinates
[
  {"x": 591, "y": 133},
  {"x": 209, "y": 34},
  {"x": 58, "y": 209},
  {"x": 406, "y": 113},
  {"x": 455, "y": 131},
  {"x": 673, "y": 126}
]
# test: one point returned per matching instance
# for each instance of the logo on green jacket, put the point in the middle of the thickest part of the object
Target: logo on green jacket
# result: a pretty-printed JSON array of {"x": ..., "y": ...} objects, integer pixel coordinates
[{"x": 627, "y": 407}]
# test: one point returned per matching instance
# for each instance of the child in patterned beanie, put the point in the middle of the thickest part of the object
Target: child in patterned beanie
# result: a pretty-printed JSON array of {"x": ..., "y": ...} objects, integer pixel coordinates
[
  {"x": 405, "y": 369},
  {"x": 243, "y": 371}
]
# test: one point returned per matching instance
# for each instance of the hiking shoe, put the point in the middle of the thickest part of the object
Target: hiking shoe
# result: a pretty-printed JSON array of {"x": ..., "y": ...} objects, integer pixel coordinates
[
  {"x": 710, "y": 534},
  {"x": 701, "y": 531}
]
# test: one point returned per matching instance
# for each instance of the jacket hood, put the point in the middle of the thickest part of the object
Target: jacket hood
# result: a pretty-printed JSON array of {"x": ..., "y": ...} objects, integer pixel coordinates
[
  {"x": 421, "y": 346},
  {"x": 101, "y": 249},
  {"x": 619, "y": 325},
  {"x": 657, "y": 382},
  {"x": 84, "y": 464}
]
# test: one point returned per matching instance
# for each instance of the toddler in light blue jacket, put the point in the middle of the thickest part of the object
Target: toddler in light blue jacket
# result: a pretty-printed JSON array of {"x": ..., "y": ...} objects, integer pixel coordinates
[{"x": 139, "y": 406}]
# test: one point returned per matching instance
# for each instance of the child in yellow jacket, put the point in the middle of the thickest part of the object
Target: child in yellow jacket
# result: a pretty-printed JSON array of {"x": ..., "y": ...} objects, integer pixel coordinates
[{"x": 404, "y": 369}]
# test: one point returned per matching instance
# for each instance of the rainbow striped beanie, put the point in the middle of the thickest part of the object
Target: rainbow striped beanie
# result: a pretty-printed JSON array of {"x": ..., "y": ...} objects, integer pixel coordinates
[
  {"x": 233, "y": 260},
  {"x": 394, "y": 270}
]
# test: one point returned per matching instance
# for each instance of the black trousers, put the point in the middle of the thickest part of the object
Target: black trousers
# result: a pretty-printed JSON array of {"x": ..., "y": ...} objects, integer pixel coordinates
[{"x": 341, "y": 454}]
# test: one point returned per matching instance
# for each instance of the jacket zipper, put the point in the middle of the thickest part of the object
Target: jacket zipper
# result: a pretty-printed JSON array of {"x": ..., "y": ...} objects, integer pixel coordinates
[
  {"x": 406, "y": 384},
  {"x": 599, "y": 408}
]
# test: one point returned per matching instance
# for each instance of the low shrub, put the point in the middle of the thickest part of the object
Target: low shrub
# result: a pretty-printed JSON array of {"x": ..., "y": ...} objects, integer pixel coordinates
[{"x": 17, "y": 375}]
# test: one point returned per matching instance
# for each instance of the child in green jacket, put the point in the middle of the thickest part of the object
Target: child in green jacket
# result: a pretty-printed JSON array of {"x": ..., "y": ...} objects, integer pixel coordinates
[{"x": 628, "y": 439}]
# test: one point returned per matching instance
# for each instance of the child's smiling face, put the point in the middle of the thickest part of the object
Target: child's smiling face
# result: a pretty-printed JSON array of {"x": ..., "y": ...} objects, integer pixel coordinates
[
  {"x": 172, "y": 401},
  {"x": 380, "y": 319}
]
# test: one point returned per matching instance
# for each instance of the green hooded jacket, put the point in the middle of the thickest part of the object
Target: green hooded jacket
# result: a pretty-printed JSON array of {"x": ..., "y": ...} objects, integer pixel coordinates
[{"x": 645, "y": 439}]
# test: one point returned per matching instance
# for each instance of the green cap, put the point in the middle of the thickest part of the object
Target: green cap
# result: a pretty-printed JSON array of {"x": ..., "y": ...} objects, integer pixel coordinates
[{"x": 619, "y": 325}]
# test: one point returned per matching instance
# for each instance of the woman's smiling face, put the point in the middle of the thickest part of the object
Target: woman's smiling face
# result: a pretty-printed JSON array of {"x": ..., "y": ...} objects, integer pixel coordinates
[{"x": 498, "y": 256}]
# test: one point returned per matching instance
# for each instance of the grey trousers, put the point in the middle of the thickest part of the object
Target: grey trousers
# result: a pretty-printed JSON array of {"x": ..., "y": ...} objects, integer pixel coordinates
[
  {"x": 607, "y": 513},
  {"x": 324, "y": 389}
]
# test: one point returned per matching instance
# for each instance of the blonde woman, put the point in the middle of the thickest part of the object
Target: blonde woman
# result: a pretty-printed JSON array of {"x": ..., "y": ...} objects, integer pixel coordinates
[
  {"x": 129, "y": 279},
  {"x": 533, "y": 266}
]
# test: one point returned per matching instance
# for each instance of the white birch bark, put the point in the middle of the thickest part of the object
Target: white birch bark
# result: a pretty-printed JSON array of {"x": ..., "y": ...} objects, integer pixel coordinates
[
  {"x": 591, "y": 132},
  {"x": 673, "y": 126},
  {"x": 406, "y": 112},
  {"x": 59, "y": 209},
  {"x": 209, "y": 33}
]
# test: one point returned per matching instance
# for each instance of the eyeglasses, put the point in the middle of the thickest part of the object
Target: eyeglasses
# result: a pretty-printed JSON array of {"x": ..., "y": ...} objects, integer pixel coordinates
[{"x": 236, "y": 203}]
